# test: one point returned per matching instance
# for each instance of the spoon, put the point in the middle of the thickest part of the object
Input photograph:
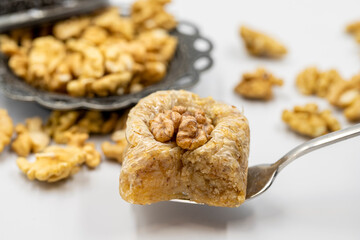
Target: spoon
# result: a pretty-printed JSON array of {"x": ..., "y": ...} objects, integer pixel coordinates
[{"x": 260, "y": 177}]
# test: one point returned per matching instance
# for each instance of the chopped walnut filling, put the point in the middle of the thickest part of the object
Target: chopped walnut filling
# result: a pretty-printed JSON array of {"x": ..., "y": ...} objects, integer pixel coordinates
[
  {"x": 190, "y": 127},
  {"x": 258, "y": 85},
  {"x": 6, "y": 129},
  {"x": 309, "y": 121},
  {"x": 261, "y": 45},
  {"x": 100, "y": 54}
]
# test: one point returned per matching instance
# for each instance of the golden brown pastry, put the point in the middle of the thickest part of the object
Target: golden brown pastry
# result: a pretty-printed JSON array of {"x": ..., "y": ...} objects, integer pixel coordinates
[{"x": 181, "y": 146}]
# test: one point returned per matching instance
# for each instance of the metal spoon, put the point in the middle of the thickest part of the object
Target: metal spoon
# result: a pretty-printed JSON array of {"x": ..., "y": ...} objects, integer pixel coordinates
[{"x": 260, "y": 177}]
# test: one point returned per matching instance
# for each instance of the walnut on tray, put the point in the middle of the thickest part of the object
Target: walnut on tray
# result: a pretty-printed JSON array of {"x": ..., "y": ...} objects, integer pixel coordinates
[
  {"x": 100, "y": 54},
  {"x": 185, "y": 147},
  {"x": 31, "y": 137},
  {"x": 309, "y": 121},
  {"x": 6, "y": 129},
  {"x": 261, "y": 45},
  {"x": 257, "y": 85}
]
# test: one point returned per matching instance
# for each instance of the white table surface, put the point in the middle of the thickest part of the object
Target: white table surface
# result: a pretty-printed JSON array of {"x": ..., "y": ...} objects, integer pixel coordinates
[{"x": 317, "y": 197}]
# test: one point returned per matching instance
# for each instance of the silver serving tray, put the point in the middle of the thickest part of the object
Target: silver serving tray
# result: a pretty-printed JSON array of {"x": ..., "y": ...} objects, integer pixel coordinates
[{"x": 184, "y": 71}]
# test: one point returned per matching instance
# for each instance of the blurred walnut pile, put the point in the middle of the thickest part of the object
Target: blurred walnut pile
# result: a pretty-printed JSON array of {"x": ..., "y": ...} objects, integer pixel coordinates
[
  {"x": 341, "y": 93},
  {"x": 96, "y": 55},
  {"x": 71, "y": 129}
]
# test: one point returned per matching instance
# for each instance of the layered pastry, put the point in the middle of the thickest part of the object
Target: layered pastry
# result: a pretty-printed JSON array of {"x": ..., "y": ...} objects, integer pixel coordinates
[{"x": 181, "y": 146}]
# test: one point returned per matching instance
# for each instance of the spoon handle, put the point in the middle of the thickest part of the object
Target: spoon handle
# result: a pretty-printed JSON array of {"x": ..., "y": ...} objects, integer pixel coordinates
[{"x": 317, "y": 143}]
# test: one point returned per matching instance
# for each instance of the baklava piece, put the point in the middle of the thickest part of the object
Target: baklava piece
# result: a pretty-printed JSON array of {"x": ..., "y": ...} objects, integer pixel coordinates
[{"x": 181, "y": 146}]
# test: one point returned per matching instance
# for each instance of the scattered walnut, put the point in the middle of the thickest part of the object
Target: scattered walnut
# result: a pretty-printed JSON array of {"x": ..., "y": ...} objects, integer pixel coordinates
[
  {"x": 62, "y": 123},
  {"x": 307, "y": 81},
  {"x": 150, "y": 14},
  {"x": 54, "y": 164},
  {"x": 6, "y": 129},
  {"x": 309, "y": 121},
  {"x": 30, "y": 138},
  {"x": 258, "y": 44},
  {"x": 354, "y": 29},
  {"x": 258, "y": 85},
  {"x": 312, "y": 81},
  {"x": 352, "y": 112},
  {"x": 190, "y": 127},
  {"x": 77, "y": 139},
  {"x": 115, "y": 151},
  {"x": 59, "y": 122}
]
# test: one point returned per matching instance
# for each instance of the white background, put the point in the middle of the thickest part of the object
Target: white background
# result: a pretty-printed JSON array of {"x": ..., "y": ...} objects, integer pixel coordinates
[{"x": 317, "y": 197}]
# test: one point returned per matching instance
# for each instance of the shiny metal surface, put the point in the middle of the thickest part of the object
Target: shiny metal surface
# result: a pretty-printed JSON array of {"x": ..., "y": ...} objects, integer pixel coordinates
[
  {"x": 183, "y": 72},
  {"x": 261, "y": 177},
  {"x": 18, "y": 16}
]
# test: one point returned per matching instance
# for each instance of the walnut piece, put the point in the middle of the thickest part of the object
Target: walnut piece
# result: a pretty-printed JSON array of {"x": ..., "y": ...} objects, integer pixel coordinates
[
  {"x": 330, "y": 85},
  {"x": 62, "y": 123},
  {"x": 150, "y": 14},
  {"x": 31, "y": 137},
  {"x": 309, "y": 121},
  {"x": 53, "y": 164},
  {"x": 70, "y": 28},
  {"x": 258, "y": 85},
  {"x": 77, "y": 139},
  {"x": 261, "y": 45},
  {"x": 354, "y": 29},
  {"x": 312, "y": 81},
  {"x": 116, "y": 150},
  {"x": 6, "y": 129},
  {"x": 191, "y": 128}
]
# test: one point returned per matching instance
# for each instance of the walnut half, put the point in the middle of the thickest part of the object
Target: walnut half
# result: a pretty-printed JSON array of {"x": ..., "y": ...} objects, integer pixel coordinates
[
  {"x": 191, "y": 128},
  {"x": 258, "y": 85}
]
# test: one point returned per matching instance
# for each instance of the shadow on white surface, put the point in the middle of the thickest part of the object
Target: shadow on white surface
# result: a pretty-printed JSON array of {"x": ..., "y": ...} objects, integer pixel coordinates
[{"x": 166, "y": 216}]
